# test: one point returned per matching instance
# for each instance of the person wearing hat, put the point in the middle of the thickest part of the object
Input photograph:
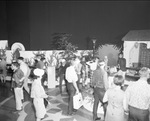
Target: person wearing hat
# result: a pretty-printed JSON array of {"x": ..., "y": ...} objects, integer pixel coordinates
[
  {"x": 138, "y": 97},
  {"x": 38, "y": 94},
  {"x": 100, "y": 84}
]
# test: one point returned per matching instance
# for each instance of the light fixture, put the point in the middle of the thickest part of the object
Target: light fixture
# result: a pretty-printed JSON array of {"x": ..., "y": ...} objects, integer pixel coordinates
[{"x": 94, "y": 41}]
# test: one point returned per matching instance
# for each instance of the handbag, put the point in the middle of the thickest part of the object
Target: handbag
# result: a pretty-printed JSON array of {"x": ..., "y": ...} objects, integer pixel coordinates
[{"x": 77, "y": 101}]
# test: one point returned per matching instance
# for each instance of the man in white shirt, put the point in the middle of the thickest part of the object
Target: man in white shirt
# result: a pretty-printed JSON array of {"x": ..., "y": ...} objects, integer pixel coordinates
[
  {"x": 138, "y": 97},
  {"x": 26, "y": 70},
  {"x": 72, "y": 78}
]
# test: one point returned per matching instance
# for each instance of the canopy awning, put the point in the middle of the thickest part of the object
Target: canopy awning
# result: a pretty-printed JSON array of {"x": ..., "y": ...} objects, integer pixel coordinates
[{"x": 137, "y": 35}]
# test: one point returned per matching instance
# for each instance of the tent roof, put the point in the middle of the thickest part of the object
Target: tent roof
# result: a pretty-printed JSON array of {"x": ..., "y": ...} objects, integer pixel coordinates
[{"x": 137, "y": 35}]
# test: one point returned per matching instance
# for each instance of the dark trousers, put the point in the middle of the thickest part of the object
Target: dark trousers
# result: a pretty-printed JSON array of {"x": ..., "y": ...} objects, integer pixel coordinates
[
  {"x": 71, "y": 93},
  {"x": 98, "y": 96},
  {"x": 45, "y": 102},
  {"x": 62, "y": 77},
  {"x": 136, "y": 114},
  {"x": 78, "y": 82}
]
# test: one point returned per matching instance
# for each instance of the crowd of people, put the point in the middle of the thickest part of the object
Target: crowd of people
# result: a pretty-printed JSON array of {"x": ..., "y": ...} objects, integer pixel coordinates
[
  {"x": 120, "y": 103},
  {"x": 78, "y": 72}
]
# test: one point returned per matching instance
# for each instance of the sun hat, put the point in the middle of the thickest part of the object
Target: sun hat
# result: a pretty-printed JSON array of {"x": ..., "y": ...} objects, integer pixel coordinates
[{"x": 38, "y": 72}]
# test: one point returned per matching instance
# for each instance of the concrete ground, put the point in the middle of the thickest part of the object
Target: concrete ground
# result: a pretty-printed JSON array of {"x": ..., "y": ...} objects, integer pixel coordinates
[
  {"x": 55, "y": 110},
  {"x": 57, "y": 107}
]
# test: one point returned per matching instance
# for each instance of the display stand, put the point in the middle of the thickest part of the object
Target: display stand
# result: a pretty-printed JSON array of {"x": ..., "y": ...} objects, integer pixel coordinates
[{"x": 51, "y": 77}]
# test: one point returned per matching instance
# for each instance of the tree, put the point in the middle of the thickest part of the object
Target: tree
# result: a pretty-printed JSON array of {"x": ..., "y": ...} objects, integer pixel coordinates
[{"x": 61, "y": 42}]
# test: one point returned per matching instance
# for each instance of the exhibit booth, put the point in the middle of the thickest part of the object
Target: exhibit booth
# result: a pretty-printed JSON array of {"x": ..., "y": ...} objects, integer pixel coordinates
[{"x": 136, "y": 48}]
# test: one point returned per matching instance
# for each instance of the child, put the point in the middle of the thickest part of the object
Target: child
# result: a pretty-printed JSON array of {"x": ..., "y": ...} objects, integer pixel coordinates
[
  {"x": 115, "y": 98},
  {"x": 38, "y": 94}
]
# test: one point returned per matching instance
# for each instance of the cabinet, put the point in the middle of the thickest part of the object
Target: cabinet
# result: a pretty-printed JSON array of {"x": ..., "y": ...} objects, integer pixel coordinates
[{"x": 144, "y": 55}]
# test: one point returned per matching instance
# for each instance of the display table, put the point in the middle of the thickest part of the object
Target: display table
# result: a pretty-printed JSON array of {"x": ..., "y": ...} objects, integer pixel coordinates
[
  {"x": 132, "y": 72},
  {"x": 51, "y": 77},
  {"x": 131, "y": 68}
]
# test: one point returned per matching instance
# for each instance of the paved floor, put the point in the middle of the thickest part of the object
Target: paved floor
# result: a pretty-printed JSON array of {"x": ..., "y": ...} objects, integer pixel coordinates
[
  {"x": 55, "y": 110},
  {"x": 7, "y": 103}
]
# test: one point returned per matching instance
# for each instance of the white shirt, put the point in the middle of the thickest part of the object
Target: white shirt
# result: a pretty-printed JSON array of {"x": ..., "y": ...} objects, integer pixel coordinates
[
  {"x": 138, "y": 94},
  {"x": 71, "y": 75},
  {"x": 24, "y": 68},
  {"x": 37, "y": 90}
]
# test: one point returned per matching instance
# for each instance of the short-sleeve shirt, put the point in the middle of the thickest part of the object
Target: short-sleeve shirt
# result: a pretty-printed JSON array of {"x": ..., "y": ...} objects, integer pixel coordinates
[
  {"x": 71, "y": 75},
  {"x": 138, "y": 94}
]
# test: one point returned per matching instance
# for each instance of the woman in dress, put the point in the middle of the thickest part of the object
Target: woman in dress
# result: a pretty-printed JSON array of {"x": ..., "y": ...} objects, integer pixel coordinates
[
  {"x": 115, "y": 98},
  {"x": 38, "y": 94}
]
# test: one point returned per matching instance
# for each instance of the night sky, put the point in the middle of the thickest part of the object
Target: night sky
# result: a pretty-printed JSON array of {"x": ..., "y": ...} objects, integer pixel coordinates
[{"x": 107, "y": 21}]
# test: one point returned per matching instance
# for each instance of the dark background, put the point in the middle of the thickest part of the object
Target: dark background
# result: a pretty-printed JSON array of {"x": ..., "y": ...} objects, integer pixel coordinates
[{"x": 32, "y": 23}]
